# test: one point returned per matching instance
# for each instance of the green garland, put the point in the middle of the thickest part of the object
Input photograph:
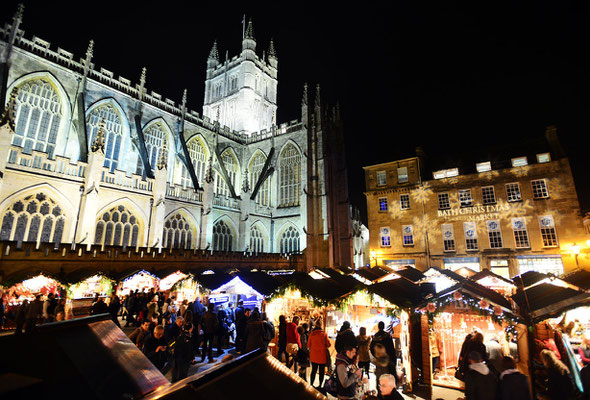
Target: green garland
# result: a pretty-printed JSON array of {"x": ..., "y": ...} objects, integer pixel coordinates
[{"x": 473, "y": 304}]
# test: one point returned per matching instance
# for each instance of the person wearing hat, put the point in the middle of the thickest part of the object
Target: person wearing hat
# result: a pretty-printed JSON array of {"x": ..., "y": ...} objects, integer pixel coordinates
[{"x": 345, "y": 337}]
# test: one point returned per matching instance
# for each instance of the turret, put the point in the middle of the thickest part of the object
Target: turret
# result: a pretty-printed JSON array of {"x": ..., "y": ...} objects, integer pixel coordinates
[
  {"x": 272, "y": 55},
  {"x": 248, "y": 42},
  {"x": 213, "y": 59}
]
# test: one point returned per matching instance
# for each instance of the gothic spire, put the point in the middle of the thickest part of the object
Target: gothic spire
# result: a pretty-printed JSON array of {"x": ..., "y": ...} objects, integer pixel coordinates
[
  {"x": 10, "y": 111},
  {"x": 214, "y": 54},
  {"x": 209, "y": 170},
  {"x": 98, "y": 143},
  {"x": 305, "y": 95},
  {"x": 249, "y": 30},
  {"x": 246, "y": 183},
  {"x": 317, "y": 103},
  {"x": 163, "y": 158},
  {"x": 271, "y": 49}
]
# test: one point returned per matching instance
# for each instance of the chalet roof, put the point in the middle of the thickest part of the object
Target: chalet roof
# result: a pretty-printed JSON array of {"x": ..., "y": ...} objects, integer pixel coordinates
[
  {"x": 401, "y": 292},
  {"x": 579, "y": 278},
  {"x": 547, "y": 299}
]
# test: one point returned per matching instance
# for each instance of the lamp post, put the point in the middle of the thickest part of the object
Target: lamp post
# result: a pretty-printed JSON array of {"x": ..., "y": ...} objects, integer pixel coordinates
[
  {"x": 373, "y": 255},
  {"x": 576, "y": 250}
]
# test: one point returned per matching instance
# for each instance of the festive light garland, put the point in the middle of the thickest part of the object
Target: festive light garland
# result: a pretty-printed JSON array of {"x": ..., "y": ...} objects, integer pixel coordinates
[{"x": 481, "y": 307}]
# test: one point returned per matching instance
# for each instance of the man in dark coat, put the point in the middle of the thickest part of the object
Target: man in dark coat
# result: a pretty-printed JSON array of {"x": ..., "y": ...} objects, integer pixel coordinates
[
  {"x": 209, "y": 326},
  {"x": 155, "y": 348},
  {"x": 113, "y": 308},
  {"x": 386, "y": 340},
  {"x": 345, "y": 337},
  {"x": 513, "y": 384},
  {"x": 183, "y": 354},
  {"x": 480, "y": 382}
]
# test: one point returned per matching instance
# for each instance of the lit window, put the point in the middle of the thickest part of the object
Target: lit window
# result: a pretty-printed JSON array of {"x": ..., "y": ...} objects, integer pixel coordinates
[
  {"x": 256, "y": 167},
  {"x": 470, "y": 235},
  {"x": 117, "y": 227},
  {"x": 445, "y": 173},
  {"x": 177, "y": 233},
  {"x": 521, "y": 236},
  {"x": 543, "y": 158},
  {"x": 153, "y": 138},
  {"x": 232, "y": 169},
  {"x": 381, "y": 178},
  {"x": 443, "y": 201},
  {"x": 483, "y": 166},
  {"x": 289, "y": 176},
  {"x": 256, "y": 240},
  {"x": 465, "y": 198},
  {"x": 223, "y": 237},
  {"x": 402, "y": 174},
  {"x": 408, "y": 235},
  {"x": 448, "y": 237},
  {"x": 38, "y": 116},
  {"x": 289, "y": 241},
  {"x": 404, "y": 201},
  {"x": 488, "y": 195},
  {"x": 513, "y": 192},
  {"x": 540, "y": 189},
  {"x": 519, "y": 162},
  {"x": 385, "y": 237},
  {"x": 113, "y": 133},
  {"x": 383, "y": 204},
  {"x": 494, "y": 234},
  {"x": 551, "y": 264},
  {"x": 547, "y": 225}
]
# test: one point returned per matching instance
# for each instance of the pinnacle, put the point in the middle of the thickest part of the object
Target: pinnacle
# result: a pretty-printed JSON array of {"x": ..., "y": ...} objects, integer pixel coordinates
[
  {"x": 249, "y": 30},
  {"x": 10, "y": 111},
  {"x": 163, "y": 158},
  {"x": 214, "y": 54},
  {"x": 98, "y": 143},
  {"x": 271, "y": 49}
]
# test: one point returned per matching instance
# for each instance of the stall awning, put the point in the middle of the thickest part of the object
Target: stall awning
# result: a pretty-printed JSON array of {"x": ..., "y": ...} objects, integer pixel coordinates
[
  {"x": 528, "y": 279},
  {"x": 580, "y": 278},
  {"x": 401, "y": 292},
  {"x": 410, "y": 273},
  {"x": 478, "y": 291},
  {"x": 82, "y": 274},
  {"x": 547, "y": 299},
  {"x": 373, "y": 274},
  {"x": 486, "y": 273},
  {"x": 262, "y": 282},
  {"x": 23, "y": 275}
]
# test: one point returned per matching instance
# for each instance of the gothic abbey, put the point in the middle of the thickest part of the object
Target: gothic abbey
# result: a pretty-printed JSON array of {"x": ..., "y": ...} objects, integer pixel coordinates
[{"x": 91, "y": 159}]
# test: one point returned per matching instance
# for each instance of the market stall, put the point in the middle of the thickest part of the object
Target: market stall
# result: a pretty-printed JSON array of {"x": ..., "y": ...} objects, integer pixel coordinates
[
  {"x": 559, "y": 312},
  {"x": 494, "y": 282},
  {"x": 187, "y": 288},
  {"x": 462, "y": 309},
  {"x": 139, "y": 280},
  {"x": 83, "y": 286}
]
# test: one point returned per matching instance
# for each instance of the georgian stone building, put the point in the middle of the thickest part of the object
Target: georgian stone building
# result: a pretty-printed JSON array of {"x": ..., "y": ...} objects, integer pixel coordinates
[
  {"x": 90, "y": 158},
  {"x": 511, "y": 209}
]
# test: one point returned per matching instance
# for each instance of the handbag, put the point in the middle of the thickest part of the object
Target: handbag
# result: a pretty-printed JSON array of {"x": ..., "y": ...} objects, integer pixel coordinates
[
  {"x": 331, "y": 385},
  {"x": 292, "y": 348}
]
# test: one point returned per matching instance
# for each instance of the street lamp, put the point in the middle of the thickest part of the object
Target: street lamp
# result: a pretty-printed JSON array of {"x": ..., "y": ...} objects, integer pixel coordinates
[
  {"x": 576, "y": 250},
  {"x": 373, "y": 255}
]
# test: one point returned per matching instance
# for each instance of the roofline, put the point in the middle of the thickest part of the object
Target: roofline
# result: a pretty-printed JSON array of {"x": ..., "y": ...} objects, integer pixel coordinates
[{"x": 390, "y": 162}]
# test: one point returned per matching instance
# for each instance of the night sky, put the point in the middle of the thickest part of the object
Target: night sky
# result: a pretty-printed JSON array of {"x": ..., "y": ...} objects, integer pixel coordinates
[{"x": 448, "y": 76}]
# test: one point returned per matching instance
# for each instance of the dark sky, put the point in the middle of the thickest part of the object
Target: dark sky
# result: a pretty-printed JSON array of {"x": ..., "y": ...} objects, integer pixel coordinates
[{"x": 448, "y": 76}]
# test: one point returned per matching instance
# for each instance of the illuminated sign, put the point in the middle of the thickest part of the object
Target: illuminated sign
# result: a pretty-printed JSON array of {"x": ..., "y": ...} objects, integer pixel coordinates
[
  {"x": 475, "y": 213},
  {"x": 218, "y": 299}
]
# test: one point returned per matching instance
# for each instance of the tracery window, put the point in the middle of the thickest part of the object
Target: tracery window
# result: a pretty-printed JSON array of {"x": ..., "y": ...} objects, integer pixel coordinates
[
  {"x": 177, "y": 233},
  {"x": 198, "y": 156},
  {"x": 256, "y": 240},
  {"x": 117, "y": 227},
  {"x": 38, "y": 115},
  {"x": 256, "y": 167},
  {"x": 289, "y": 241},
  {"x": 34, "y": 218},
  {"x": 223, "y": 237},
  {"x": 153, "y": 138},
  {"x": 290, "y": 177},
  {"x": 113, "y": 133},
  {"x": 231, "y": 167}
]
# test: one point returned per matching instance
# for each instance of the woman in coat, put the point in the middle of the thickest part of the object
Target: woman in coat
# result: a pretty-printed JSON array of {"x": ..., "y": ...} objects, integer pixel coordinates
[
  {"x": 559, "y": 382},
  {"x": 318, "y": 344},
  {"x": 254, "y": 336}
]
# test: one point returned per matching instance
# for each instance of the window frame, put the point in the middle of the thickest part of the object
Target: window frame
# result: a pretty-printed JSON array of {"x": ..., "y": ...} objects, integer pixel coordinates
[
  {"x": 535, "y": 190},
  {"x": 509, "y": 195},
  {"x": 483, "y": 195},
  {"x": 440, "y": 203}
]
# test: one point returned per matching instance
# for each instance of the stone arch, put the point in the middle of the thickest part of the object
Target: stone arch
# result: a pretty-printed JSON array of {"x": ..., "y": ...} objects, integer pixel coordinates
[
  {"x": 39, "y": 214},
  {"x": 171, "y": 144},
  {"x": 121, "y": 223},
  {"x": 290, "y": 175},
  {"x": 259, "y": 238},
  {"x": 289, "y": 238},
  {"x": 61, "y": 117},
  {"x": 255, "y": 167},
  {"x": 174, "y": 236},
  {"x": 120, "y": 146},
  {"x": 224, "y": 234}
]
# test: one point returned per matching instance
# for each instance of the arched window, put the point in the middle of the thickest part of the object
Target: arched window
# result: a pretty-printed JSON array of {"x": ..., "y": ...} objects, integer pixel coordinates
[
  {"x": 231, "y": 167},
  {"x": 38, "y": 115},
  {"x": 113, "y": 133},
  {"x": 290, "y": 177},
  {"x": 256, "y": 240},
  {"x": 34, "y": 218},
  {"x": 154, "y": 139},
  {"x": 290, "y": 241},
  {"x": 198, "y": 155},
  {"x": 256, "y": 166},
  {"x": 223, "y": 237},
  {"x": 177, "y": 233},
  {"x": 117, "y": 227}
]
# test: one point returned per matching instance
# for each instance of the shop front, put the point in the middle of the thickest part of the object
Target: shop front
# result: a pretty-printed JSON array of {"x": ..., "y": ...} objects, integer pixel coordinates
[
  {"x": 451, "y": 315},
  {"x": 234, "y": 291},
  {"x": 457, "y": 263},
  {"x": 140, "y": 281},
  {"x": 84, "y": 286}
]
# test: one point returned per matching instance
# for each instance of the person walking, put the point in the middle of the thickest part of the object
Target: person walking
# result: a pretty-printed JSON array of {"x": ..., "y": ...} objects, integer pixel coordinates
[
  {"x": 222, "y": 329},
  {"x": 480, "y": 382},
  {"x": 495, "y": 354},
  {"x": 34, "y": 312},
  {"x": 364, "y": 343},
  {"x": 282, "y": 340},
  {"x": 303, "y": 352},
  {"x": 269, "y": 331},
  {"x": 347, "y": 373},
  {"x": 254, "y": 333},
  {"x": 20, "y": 316},
  {"x": 293, "y": 342},
  {"x": 183, "y": 354},
  {"x": 513, "y": 384},
  {"x": 113, "y": 308},
  {"x": 209, "y": 326},
  {"x": 319, "y": 344}
]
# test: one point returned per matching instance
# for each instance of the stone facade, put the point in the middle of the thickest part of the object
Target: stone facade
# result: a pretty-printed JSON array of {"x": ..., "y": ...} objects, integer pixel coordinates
[
  {"x": 521, "y": 217},
  {"x": 94, "y": 160}
]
